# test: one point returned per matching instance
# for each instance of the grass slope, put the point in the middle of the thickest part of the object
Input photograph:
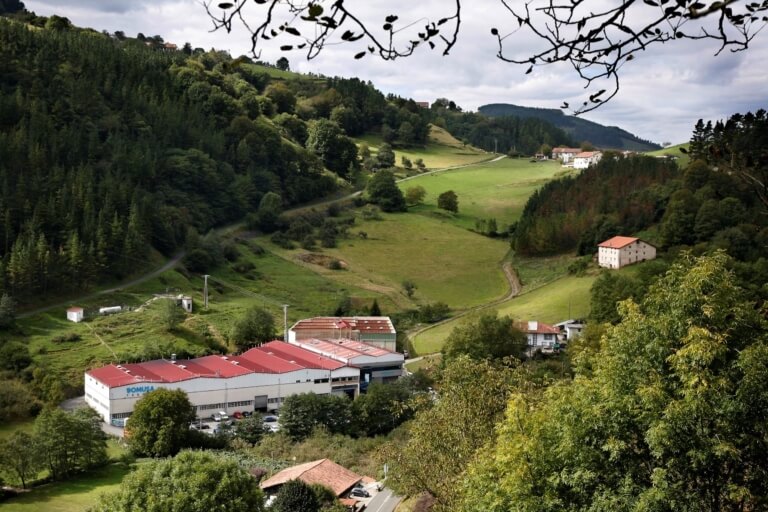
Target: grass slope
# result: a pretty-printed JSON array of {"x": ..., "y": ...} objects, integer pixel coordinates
[
  {"x": 441, "y": 151},
  {"x": 447, "y": 263},
  {"x": 75, "y": 495},
  {"x": 682, "y": 158},
  {"x": 490, "y": 190}
]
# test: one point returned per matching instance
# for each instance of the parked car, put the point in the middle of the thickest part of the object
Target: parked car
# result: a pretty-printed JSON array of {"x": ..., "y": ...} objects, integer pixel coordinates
[
  {"x": 216, "y": 417},
  {"x": 224, "y": 415},
  {"x": 272, "y": 422},
  {"x": 357, "y": 492},
  {"x": 237, "y": 415},
  {"x": 247, "y": 414}
]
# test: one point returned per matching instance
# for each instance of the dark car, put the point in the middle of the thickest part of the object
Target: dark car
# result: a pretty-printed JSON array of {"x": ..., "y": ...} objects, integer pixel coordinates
[{"x": 359, "y": 493}]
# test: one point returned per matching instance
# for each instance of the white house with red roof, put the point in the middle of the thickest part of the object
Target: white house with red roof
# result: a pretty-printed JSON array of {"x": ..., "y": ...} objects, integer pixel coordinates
[
  {"x": 260, "y": 378},
  {"x": 621, "y": 251},
  {"x": 75, "y": 314},
  {"x": 586, "y": 158},
  {"x": 375, "y": 364},
  {"x": 540, "y": 335},
  {"x": 374, "y": 330}
]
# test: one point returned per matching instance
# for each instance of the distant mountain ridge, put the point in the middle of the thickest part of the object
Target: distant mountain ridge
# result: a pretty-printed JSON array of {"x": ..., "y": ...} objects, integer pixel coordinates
[{"x": 607, "y": 137}]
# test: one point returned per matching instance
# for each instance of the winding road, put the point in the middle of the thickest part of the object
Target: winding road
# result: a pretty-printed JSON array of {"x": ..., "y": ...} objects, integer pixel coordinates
[{"x": 176, "y": 259}]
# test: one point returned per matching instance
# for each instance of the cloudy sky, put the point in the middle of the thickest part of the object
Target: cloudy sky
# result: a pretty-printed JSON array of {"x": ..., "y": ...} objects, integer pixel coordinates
[{"x": 664, "y": 90}]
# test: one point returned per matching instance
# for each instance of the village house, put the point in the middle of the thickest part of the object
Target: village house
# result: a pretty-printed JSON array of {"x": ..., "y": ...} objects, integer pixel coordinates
[
  {"x": 586, "y": 158},
  {"x": 540, "y": 336},
  {"x": 565, "y": 155},
  {"x": 621, "y": 251}
]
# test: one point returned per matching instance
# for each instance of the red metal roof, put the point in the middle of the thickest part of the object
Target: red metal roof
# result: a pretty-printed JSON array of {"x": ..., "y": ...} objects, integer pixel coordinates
[
  {"x": 618, "y": 242},
  {"x": 74, "y": 310},
  {"x": 343, "y": 349},
  {"x": 367, "y": 324},
  {"x": 273, "y": 357}
]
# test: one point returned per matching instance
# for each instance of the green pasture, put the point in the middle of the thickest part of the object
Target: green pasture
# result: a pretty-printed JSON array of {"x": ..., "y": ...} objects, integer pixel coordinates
[
  {"x": 75, "y": 495},
  {"x": 567, "y": 297},
  {"x": 447, "y": 263},
  {"x": 490, "y": 190},
  {"x": 271, "y": 282},
  {"x": 436, "y": 155},
  {"x": 682, "y": 158}
]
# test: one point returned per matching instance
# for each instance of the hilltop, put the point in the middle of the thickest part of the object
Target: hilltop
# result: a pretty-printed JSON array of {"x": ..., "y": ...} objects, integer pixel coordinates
[{"x": 577, "y": 128}]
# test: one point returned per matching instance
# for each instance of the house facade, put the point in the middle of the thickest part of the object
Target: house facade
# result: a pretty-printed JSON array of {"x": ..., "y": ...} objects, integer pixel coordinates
[
  {"x": 621, "y": 251},
  {"x": 540, "y": 336},
  {"x": 565, "y": 155},
  {"x": 586, "y": 158}
]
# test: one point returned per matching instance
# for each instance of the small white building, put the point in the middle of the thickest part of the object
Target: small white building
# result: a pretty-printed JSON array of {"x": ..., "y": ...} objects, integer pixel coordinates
[
  {"x": 540, "y": 335},
  {"x": 586, "y": 158},
  {"x": 75, "y": 314},
  {"x": 570, "y": 329},
  {"x": 186, "y": 303},
  {"x": 621, "y": 251},
  {"x": 565, "y": 155}
]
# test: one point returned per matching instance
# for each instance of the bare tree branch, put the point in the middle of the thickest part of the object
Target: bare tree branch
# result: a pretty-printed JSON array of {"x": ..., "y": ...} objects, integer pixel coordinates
[{"x": 597, "y": 43}]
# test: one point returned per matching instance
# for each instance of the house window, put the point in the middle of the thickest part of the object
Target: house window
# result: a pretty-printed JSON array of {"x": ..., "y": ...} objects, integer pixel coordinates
[{"x": 548, "y": 337}]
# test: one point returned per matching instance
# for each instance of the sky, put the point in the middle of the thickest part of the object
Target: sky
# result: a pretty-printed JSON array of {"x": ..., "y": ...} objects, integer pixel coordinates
[{"x": 664, "y": 90}]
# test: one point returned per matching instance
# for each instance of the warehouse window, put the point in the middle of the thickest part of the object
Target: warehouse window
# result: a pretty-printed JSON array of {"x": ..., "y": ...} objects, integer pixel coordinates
[{"x": 245, "y": 403}]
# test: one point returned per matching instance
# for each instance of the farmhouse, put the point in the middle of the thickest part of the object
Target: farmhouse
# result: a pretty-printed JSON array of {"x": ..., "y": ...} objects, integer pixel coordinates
[
  {"x": 260, "y": 378},
  {"x": 570, "y": 329},
  {"x": 376, "y": 364},
  {"x": 565, "y": 154},
  {"x": 374, "y": 330},
  {"x": 75, "y": 314},
  {"x": 586, "y": 158},
  {"x": 540, "y": 335},
  {"x": 621, "y": 251},
  {"x": 323, "y": 472}
]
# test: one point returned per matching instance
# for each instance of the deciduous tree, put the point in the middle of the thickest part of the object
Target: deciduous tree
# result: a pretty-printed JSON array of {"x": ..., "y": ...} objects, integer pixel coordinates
[
  {"x": 159, "y": 424},
  {"x": 486, "y": 337},
  {"x": 256, "y": 326},
  {"x": 189, "y": 482},
  {"x": 449, "y": 201}
]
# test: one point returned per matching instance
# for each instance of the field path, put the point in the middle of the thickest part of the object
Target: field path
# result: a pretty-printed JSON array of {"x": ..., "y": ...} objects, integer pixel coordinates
[
  {"x": 515, "y": 286},
  {"x": 176, "y": 259}
]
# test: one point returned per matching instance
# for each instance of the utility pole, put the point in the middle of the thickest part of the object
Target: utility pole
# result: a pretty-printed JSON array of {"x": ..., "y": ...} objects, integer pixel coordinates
[
  {"x": 495, "y": 145},
  {"x": 285, "y": 322},
  {"x": 205, "y": 291}
]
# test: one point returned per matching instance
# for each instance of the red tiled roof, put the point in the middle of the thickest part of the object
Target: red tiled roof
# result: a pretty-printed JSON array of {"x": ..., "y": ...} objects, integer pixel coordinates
[
  {"x": 566, "y": 150},
  {"x": 324, "y": 472},
  {"x": 587, "y": 154},
  {"x": 541, "y": 328},
  {"x": 618, "y": 242},
  {"x": 367, "y": 324},
  {"x": 74, "y": 310}
]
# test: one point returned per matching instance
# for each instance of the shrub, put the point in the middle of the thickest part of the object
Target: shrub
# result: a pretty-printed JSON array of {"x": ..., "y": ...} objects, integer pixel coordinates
[
  {"x": 281, "y": 240},
  {"x": 335, "y": 265}
]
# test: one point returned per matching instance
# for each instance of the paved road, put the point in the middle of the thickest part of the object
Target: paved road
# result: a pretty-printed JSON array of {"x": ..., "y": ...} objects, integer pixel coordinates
[{"x": 385, "y": 501}]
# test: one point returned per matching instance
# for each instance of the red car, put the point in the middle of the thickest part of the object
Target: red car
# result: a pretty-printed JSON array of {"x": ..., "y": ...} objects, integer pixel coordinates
[{"x": 237, "y": 415}]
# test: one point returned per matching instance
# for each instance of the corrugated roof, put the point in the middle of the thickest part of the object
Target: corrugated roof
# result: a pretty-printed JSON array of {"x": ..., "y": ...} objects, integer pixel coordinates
[
  {"x": 343, "y": 349},
  {"x": 324, "y": 472},
  {"x": 618, "y": 242},
  {"x": 273, "y": 357},
  {"x": 367, "y": 324}
]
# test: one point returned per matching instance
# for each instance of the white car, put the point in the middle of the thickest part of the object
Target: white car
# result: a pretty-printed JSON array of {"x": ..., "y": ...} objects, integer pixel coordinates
[
  {"x": 223, "y": 415},
  {"x": 272, "y": 422}
]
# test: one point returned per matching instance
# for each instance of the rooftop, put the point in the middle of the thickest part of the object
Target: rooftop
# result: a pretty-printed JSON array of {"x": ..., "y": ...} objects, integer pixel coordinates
[
  {"x": 272, "y": 357},
  {"x": 343, "y": 349},
  {"x": 324, "y": 472},
  {"x": 587, "y": 154},
  {"x": 618, "y": 242},
  {"x": 566, "y": 150},
  {"x": 363, "y": 324}
]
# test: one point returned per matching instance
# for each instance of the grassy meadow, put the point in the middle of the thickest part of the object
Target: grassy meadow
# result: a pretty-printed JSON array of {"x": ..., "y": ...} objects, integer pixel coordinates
[
  {"x": 683, "y": 159},
  {"x": 489, "y": 190}
]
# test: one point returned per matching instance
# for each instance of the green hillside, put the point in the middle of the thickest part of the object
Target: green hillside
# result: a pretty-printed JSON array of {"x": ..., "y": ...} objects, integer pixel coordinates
[{"x": 578, "y": 128}]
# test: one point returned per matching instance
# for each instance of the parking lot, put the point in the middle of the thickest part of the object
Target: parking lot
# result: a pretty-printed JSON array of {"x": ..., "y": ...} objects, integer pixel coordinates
[{"x": 210, "y": 426}]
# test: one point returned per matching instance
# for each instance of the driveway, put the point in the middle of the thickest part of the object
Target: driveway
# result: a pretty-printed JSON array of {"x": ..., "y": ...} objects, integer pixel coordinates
[{"x": 384, "y": 501}]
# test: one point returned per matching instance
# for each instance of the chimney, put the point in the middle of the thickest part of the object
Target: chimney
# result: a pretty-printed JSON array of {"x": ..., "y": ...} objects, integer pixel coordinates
[
  {"x": 533, "y": 325},
  {"x": 173, "y": 358}
]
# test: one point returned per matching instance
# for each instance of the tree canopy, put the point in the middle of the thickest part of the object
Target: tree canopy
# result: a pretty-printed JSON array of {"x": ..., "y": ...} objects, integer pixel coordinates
[
  {"x": 188, "y": 482},
  {"x": 159, "y": 424},
  {"x": 669, "y": 417},
  {"x": 486, "y": 337},
  {"x": 256, "y": 326}
]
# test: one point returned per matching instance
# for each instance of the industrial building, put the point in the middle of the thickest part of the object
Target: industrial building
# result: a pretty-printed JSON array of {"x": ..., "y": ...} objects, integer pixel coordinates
[
  {"x": 375, "y": 330},
  {"x": 376, "y": 364},
  {"x": 259, "y": 379}
]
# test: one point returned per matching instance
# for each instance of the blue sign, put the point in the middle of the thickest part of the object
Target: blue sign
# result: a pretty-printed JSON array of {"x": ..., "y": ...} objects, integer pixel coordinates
[{"x": 139, "y": 390}]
